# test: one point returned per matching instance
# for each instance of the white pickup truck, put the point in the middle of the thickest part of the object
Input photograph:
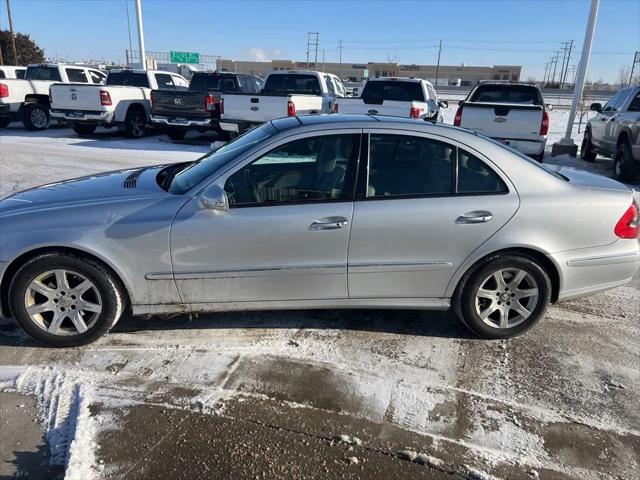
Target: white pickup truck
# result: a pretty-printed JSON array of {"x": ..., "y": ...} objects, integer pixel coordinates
[
  {"x": 12, "y": 71},
  {"x": 123, "y": 102},
  {"x": 28, "y": 99},
  {"x": 398, "y": 97},
  {"x": 285, "y": 94},
  {"x": 511, "y": 113}
]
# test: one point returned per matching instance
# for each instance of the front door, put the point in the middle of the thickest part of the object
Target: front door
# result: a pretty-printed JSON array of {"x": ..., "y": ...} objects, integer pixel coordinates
[
  {"x": 428, "y": 204},
  {"x": 286, "y": 233}
]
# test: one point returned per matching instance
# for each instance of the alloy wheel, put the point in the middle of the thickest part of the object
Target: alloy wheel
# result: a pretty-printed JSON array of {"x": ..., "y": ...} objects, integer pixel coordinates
[
  {"x": 63, "y": 302},
  {"x": 506, "y": 298},
  {"x": 38, "y": 118}
]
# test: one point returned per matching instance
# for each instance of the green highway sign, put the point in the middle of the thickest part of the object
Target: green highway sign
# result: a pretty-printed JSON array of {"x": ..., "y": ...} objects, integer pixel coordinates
[{"x": 185, "y": 57}]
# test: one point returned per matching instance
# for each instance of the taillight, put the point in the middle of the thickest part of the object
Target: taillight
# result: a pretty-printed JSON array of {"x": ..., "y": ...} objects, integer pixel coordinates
[
  {"x": 4, "y": 90},
  {"x": 291, "y": 109},
  {"x": 334, "y": 108},
  {"x": 544, "y": 126},
  {"x": 415, "y": 112},
  {"x": 457, "y": 120},
  {"x": 628, "y": 225},
  {"x": 105, "y": 98},
  {"x": 221, "y": 107},
  {"x": 152, "y": 97},
  {"x": 209, "y": 102}
]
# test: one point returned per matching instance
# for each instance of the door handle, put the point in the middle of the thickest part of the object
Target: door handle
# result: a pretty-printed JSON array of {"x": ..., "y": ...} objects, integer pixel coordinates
[
  {"x": 329, "y": 223},
  {"x": 477, "y": 216}
]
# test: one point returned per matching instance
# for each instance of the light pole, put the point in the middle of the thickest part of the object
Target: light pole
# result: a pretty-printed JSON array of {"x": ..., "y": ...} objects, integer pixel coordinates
[
  {"x": 566, "y": 144},
  {"x": 143, "y": 55}
]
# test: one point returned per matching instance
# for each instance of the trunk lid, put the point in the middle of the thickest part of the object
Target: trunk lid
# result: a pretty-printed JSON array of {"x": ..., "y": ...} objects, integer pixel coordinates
[
  {"x": 584, "y": 179},
  {"x": 76, "y": 97},
  {"x": 503, "y": 120},
  {"x": 185, "y": 104}
]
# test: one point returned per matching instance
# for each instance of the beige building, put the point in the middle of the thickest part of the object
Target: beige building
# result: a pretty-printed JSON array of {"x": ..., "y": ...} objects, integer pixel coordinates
[{"x": 357, "y": 72}]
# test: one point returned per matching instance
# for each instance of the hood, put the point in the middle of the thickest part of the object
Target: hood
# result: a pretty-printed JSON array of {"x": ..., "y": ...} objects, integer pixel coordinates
[
  {"x": 581, "y": 178},
  {"x": 116, "y": 186}
]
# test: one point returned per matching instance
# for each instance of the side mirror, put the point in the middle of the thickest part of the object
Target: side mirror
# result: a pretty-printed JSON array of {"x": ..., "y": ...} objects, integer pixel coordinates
[
  {"x": 214, "y": 198},
  {"x": 596, "y": 107},
  {"x": 460, "y": 102},
  {"x": 548, "y": 106},
  {"x": 443, "y": 104}
]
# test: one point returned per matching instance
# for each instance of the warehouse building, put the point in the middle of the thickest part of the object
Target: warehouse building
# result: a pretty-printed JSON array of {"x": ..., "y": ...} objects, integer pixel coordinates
[{"x": 356, "y": 72}]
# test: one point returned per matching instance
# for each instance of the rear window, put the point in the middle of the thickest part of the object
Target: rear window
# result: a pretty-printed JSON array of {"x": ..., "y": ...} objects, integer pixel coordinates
[
  {"x": 393, "y": 90},
  {"x": 521, "y": 94},
  {"x": 213, "y": 83},
  {"x": 43, "y": 73},
  {"x": 283, "y": 84},
  {"x": 130, "y": 79}
]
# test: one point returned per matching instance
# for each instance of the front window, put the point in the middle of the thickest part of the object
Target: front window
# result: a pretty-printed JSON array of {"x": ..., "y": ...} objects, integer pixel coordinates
[
  {"x": 634, "y": 106},
  {"x": 76, "y": 75},
  {"x": 306, "y": 170},
  {"x": 210, "y": 163}
]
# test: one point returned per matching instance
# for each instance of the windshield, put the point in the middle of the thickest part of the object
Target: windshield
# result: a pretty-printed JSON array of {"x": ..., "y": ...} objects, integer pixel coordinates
[
  {"x": 536, "y": 163},
  {"x": 205, "y": 166},
  {"x": 393, "y": 90},
  {"x": 522, "y": 94},
  {"x": 288, "y": 83}
]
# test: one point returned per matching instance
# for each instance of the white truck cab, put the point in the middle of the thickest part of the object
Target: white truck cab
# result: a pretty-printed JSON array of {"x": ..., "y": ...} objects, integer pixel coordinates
[{"x": 123, "y": 102}]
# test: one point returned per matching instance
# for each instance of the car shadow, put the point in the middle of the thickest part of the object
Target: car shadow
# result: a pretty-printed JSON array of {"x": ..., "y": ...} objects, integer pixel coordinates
[{"x": 421, "y": 323}]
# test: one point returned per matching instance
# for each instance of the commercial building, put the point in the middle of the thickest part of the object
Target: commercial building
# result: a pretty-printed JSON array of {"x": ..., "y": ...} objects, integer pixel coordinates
[{"x": 357, "y": 72}]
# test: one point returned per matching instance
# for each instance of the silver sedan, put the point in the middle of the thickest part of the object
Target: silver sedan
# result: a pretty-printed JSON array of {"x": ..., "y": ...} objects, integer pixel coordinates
[{"x": 327, "y": 211}]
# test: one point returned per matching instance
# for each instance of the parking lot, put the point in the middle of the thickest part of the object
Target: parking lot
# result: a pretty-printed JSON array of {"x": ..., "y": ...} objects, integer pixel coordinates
[{"x": 315, "y": 394}]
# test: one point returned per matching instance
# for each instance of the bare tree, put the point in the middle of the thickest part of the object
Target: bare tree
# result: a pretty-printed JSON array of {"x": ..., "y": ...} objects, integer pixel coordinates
[{"x": 623, "y": 76}]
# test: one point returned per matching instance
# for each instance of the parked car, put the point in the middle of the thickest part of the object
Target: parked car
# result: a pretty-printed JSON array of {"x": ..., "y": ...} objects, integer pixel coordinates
[
  {"x": 318, "y": 211},
  {"x": 124, "y": 102},
  {"x": 28, "y": 99},
  {"x": 12, "y": 71},
  {"x": 511, "y": 113},
  {"x": 615, "y": 132},
  {"x": 398, "y": 97},
  {"x": 177, "y": 111},
  {"x": 285, "y": 93}
]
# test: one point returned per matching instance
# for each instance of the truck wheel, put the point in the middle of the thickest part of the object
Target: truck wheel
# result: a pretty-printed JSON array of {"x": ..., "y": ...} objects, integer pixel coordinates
[
  {"x": 623, "y": 168},
  {"x": 176, "y": 133},
  {"x": 5, "y": 122},
  {"x": 586, "y": 150},
  {"x": 135, "y": 125},
  {"x": 35, "y": 116},
  {"x": 83, "y": 128}
]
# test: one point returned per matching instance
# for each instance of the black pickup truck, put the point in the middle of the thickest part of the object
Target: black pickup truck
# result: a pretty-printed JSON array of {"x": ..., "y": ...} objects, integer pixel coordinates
[{"x": 198, "y": 108}]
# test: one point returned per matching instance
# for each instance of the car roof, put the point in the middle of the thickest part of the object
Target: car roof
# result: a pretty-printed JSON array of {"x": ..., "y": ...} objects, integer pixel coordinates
[{"x": 400, "y": 79}]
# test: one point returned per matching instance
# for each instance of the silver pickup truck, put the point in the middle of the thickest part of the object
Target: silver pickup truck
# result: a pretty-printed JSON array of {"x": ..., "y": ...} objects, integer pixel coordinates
[{"x": 615, "y": 132}]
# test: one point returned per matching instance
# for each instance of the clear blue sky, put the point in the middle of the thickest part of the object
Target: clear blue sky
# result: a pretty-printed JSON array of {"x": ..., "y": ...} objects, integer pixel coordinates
[{"x": 475, "y": 32}]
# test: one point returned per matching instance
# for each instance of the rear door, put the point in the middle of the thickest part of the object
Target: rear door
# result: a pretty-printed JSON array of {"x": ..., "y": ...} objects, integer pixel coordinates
[{"x": 423, "y": 205}]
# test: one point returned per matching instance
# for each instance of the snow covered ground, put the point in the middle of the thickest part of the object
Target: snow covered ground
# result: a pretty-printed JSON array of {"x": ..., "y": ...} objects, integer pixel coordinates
[{"x": 413, "y": 387}]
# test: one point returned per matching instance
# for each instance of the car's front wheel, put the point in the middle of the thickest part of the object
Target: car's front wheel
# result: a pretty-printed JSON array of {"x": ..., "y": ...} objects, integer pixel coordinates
[
  {"x": 64, "y": 300},
  {"x": 504, "y": 297},
  {"x": 586, "y": 149},
  {"x": 623, "y": 167}
]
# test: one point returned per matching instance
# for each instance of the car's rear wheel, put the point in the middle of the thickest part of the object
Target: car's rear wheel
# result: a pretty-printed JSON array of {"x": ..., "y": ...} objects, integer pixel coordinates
[
  {"x": 623, "y": 167},
  {"x": 586, "y": 149},
  {"x": 135, "y": 124},
  {"x": 64, "y": 300},
  {"x": 504, "y": 297},
  {"x": 176, "y": 133},
  {"x": 83, "y": 128},
  {"x": 35, "y": 116}
]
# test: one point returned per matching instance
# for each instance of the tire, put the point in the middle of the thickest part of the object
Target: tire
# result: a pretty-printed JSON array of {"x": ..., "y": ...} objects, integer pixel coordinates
[
  {"x": 623, "y": 168},
  {"x": 104, "y": 298},
  {"x": 4, "y": 122},
  {"x": 35, "y": 116},
  {"x": 586, "y": 149},
  {"x": 176, "y": 133},
  {"x": 135, "y": 124},
  {"x": 83, "y": 128},
  {"x": 470, "y": 303}
]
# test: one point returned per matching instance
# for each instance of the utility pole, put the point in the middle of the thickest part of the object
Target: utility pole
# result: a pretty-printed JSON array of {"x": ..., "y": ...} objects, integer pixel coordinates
[
  {"x": 438, "y": 64},
  {"x": 315, "y": 61},
  {"x": 143, "y": 55},
  {"x": 544, "y": 76},
  {"x": 555, "y": 65},
  {"x": 323, "y": 60},
  {"x": 13, "y": 37},
  {"x": 636, "y": 59},
  {"x": 565, "y": 48},
  {"x": 566, "y": 70},
  {"x": 340, "y": 64},
  {"x": 566, "y": 144}
]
